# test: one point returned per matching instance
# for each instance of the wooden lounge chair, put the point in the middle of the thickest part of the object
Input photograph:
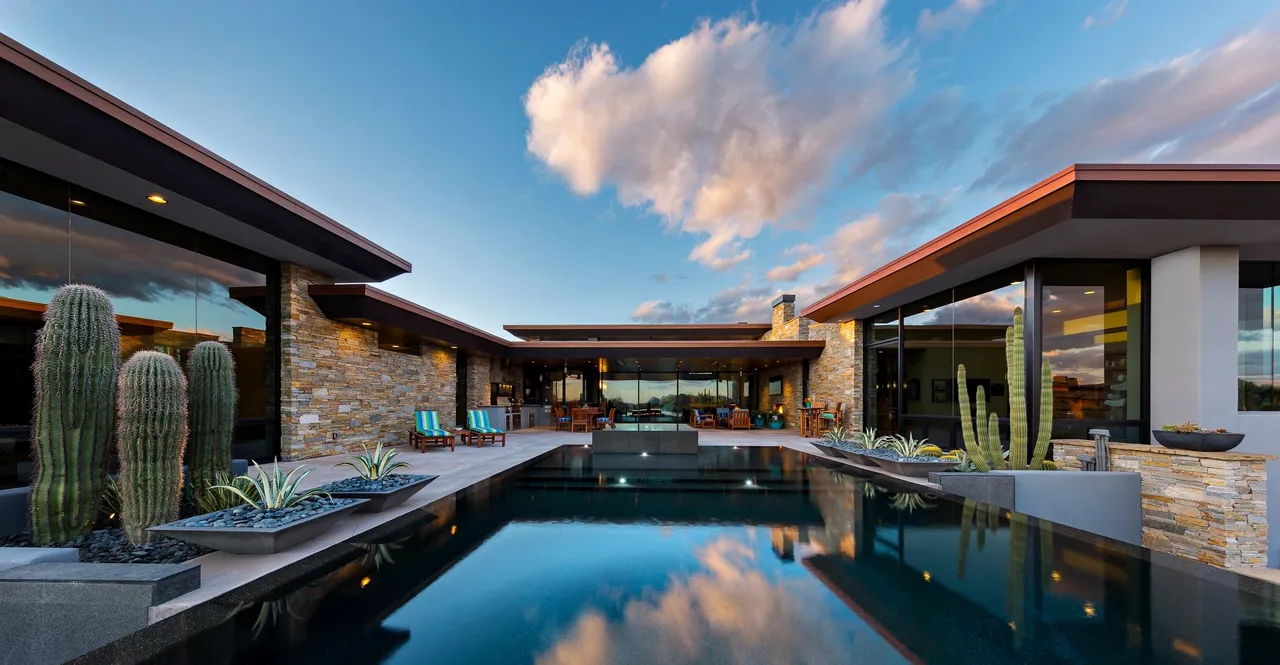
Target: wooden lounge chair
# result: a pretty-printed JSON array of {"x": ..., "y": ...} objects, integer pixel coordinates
[
  {"x": 740, "y": 419},
  {"x": 607, "y": 421},
  {"x": 427, "y": 429},
  {"x": 701, "y": 420},
  {"x": 481, "y": 431}
]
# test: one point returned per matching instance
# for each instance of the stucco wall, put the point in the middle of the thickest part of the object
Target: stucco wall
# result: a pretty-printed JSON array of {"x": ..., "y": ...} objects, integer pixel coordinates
[{"x": 339, "y": 390}]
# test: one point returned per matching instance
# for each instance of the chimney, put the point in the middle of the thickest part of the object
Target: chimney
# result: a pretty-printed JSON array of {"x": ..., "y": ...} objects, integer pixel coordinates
[{"x": 784, "y": 309}]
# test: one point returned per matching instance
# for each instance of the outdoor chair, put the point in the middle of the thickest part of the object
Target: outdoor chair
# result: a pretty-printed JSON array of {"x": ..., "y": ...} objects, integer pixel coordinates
[
  {"x": 580, "y": 419},
  {"x": 607, "y": 421},
  {"x": 740, "y": 419},
  {"x": 561, "y": 420},
  {"x": 480, "y": 429},
  {"x": 722, "y": 416},
  {"x": 700, "y": 420},
  {"x": 427, "y": 429},
  {"x": 829, "y": 419}
]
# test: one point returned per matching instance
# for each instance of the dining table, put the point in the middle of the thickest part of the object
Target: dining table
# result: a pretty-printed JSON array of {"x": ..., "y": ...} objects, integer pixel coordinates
[{"x": 809, "y": 420}]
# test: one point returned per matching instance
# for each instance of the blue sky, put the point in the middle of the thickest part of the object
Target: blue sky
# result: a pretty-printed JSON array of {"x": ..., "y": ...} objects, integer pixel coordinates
[{"x": 583, "y": 162}]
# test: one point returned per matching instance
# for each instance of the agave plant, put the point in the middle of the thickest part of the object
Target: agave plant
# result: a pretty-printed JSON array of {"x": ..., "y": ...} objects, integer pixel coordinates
[
  {"x": 217, "y": 498},
  {"x": 867, "y": 439},
  {"x": 273, "y": 491},
  {"x": 837, "y": 434},
  {"x": 908, "y": 446},
  {"x": 909, "y": 502},
  {"x": 376, "y": 465}
]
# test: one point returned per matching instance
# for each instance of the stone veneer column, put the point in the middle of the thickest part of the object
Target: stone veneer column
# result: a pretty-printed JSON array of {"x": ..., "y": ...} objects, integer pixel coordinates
[
  {"x": 1206, "y": 506},
  {"x": 834, "y": 378},
  {"x": 339, "y": 390},
  {"x": 479, "y": 392}
]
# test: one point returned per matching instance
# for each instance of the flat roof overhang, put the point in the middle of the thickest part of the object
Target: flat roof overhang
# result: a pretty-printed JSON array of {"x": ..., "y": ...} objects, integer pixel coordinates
[
  {"x": 1086, "y": 211},
  {"x": 358, "y": 304},
  {"x": 58, "y": 123},
  {"x": 640, "y": 332},
  {"x": 730, "y": 349}
]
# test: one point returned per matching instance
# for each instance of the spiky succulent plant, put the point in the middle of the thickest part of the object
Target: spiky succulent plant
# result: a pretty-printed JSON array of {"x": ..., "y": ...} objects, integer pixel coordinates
[
  {"x": 212, "y": 374},
  {"x": 272, "y": 490},
  {"x": 151, "y": 435},
  {"x": 837, "y": 434},
  {"x": 376, "y": 465}
]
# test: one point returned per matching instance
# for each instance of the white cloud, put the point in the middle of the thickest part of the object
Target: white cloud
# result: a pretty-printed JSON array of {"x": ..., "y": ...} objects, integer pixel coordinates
[
  {"x": 808, "y": 258},
  {"x": 899, "y": 223},
  {"x": 739, "y": 303},
  {"x": 957, "y": 16},
  {"x": 1110, "y": 13},
  {"x": 734, "y": 127},
  {"x": 1211, "y": 105}
]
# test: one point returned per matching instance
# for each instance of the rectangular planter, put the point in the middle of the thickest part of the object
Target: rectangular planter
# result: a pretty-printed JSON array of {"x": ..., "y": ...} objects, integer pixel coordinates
[
  {"x": 247, "y": 540},
  {"x": 829, "y": 451},
  {"x": 864, "y": 460},
  {"x": 667, "y": 442},
  {"x": 911, "y": 469},
  {"x": 380, "y": 501},
  {"x": 1106, "y": 503}
]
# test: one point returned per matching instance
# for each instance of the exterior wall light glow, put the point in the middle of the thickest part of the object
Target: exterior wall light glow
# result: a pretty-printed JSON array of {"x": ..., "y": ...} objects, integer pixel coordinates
[
  {"x": 1089, "y": 293},
  {"x": 156, "y": 198},
  {"x": 365, "y": 323},
  {"x": 78, "y": 202}
]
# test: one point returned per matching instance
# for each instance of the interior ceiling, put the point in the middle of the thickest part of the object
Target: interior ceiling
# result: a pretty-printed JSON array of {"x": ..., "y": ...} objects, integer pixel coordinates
[
  {"x": 647, "y": 365},
  {"x": 1259, "y": 240}
]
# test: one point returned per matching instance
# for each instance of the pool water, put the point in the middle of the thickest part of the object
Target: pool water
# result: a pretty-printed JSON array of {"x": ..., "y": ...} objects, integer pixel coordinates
[{"x": 736, "y": 556}]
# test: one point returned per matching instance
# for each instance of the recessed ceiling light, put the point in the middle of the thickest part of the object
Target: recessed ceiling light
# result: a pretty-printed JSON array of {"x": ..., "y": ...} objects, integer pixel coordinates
[
  {"x": 1015, "y": 283},
  {"x": 1057, "y": 311},
  {"x": 156, "y": 198},
  {"x": 78, "y": 202},
  {"x": 454, "y": 347},
  {"x": 365, "y": 323},
  {"x": 1089, "y": 293},
  {"x": 875, "y": 307},
  {"x": 395, "y": 346}
]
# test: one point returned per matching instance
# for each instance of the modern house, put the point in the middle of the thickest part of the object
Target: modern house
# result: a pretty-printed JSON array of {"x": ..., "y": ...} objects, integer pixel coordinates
[{"x": 1149, "y": 289}]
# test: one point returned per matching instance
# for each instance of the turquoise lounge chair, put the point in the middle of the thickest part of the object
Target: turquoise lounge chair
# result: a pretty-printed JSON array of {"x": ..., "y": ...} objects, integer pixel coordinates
[
  {"x": 480, "y": 430},
  {"x": 427, "y": 429}
]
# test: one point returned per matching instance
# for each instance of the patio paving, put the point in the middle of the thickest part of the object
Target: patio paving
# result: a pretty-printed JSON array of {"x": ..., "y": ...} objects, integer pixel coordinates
[{"x": 463, "y": 468}]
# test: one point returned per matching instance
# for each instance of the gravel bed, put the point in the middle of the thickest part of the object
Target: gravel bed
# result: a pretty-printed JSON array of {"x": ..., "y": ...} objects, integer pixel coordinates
[
  {"x": 252, "y": 517},
  {"x": 110, "y": 546},
  {"x": 384, "y": 484}
]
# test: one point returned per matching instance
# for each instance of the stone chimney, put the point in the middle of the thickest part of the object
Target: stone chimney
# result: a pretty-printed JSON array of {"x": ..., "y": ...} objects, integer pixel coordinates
[{"x": 784, "y": 309}]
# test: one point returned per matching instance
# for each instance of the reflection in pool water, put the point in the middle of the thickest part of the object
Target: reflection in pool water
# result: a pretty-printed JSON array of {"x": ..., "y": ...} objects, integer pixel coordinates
[{"x": 736, "y": 556}]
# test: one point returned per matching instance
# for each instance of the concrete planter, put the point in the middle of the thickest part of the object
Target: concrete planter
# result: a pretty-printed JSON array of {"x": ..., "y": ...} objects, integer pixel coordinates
[
  {"x": 667, "y": 442},
  {"x": 910, "y": 468},
  {"x": 829, "y": 451},
  {"x": 380, "y": 501},
  {"x": 1106, "y": 503},
  {"x": 860, "y": 458},
  {"x": 248, "y": 540}
]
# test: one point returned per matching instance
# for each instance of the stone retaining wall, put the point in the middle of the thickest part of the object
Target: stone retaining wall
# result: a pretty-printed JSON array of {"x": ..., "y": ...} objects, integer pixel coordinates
[
  {"x": 339, "y": 390},
  {"x": 1211, "y": 507}
]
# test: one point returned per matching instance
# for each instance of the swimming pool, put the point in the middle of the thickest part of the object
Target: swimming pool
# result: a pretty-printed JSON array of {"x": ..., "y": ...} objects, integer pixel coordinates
[{"x": 752, "y": 555}]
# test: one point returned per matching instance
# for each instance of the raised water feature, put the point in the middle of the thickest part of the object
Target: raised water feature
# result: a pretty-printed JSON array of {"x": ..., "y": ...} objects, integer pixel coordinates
[{"x": 760, "y": 555}]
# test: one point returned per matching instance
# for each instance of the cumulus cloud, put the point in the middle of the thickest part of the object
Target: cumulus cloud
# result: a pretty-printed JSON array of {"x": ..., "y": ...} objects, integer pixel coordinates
[
  {"x": 1110, "y": 13},
  {"x": 922, "y": 140},
  {"x": 899, "y": 223},
  {"x": 957, "y": 16},
  {"x": 739, "y": 303},
  {"x": 734, "y": 127},
  {"x": 808, "y": 257},
  {"x": 1212, "y": 105},
  {"x": 660, "y": 278}
]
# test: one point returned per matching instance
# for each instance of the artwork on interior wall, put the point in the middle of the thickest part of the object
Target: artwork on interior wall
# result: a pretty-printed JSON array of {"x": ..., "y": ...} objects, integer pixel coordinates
[
  {"x": 775, "y": 385},
  {"x": 913, "y": 389},
  {"x": 941, "y": 391},
  {"x": 991, "y": 390}
]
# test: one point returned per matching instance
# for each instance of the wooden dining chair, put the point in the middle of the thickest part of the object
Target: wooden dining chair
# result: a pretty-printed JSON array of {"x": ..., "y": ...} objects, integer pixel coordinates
[
  {"x": 561, "y": 421},
  {"x": 579, "y": 419},
  {"x": 607, "y": 421},
  {"x": 829, "y": 418}
]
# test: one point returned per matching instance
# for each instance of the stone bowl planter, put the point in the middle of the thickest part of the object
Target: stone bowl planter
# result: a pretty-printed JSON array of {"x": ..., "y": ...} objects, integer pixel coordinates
[
  {"x": 912, "y": 468},
  {"x": 859, "y": 457},
  {"x": 1199, "y": 442},
  {"x": 378, "y": 499},
  {"x": 254, "y": 540}
]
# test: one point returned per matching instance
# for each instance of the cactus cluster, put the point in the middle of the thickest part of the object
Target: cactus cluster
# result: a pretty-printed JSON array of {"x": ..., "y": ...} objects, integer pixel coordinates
[
  {"x": 212, "y": 383},
  {"x": 151, "y": 436},
  {"x": 982, "y": 435},
  {"x": 77, "y": 359}
]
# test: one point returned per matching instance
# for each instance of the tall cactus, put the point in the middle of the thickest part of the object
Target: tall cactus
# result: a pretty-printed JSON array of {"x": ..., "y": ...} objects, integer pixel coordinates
[
  {"x": 152, "y": 434},
  {"x": 77, "y": 360},
  {"x": 983, "y": 442},
  {"x": 212, "y": 375}
]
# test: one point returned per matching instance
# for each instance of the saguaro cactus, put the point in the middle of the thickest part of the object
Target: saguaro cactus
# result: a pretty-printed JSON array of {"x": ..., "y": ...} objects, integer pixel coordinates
[
  {"x": 211, "y": 372},
  {"x": 983, "y": 445},
  {"x": 151, "y": 436},
  {"x": 77, "y": 360}
]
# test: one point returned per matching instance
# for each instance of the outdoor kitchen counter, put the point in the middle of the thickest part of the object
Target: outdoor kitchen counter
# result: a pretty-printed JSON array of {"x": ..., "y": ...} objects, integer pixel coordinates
[{"x": 1211, "y": 507}]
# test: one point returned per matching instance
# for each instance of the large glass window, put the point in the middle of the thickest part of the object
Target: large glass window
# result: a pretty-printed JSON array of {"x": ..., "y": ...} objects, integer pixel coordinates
[
  {"x": 880, "y": 405},
  {"x": 622, "y": 392},
  {"x": 1091, "y": 319},
  {"x": 168, "y": 295},
  {"x": 658, "y": 395},
  {"x": 1256, "y": 342}
]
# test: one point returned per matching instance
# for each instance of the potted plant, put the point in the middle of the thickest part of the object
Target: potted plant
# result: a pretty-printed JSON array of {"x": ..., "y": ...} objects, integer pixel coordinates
[
  {"x": 858, "y": 448},
  {"x": 757, "y": 419},
  {"x": 832, "y": 441},
  {"x": 376, "y": 481},
  {"x": 776, "y": 421},
  {"x": 272, "y": 515},
  {"x": 1189, "y": 436}
]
